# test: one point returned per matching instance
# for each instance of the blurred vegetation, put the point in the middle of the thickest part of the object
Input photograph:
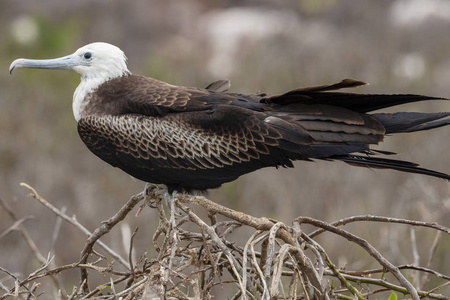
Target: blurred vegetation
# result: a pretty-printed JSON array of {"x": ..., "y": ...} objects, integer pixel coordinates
[{"x": 193, "y": 43}]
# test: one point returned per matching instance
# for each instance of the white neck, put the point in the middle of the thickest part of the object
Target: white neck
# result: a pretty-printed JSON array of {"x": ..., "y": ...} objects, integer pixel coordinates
[{"x": 86, "y": 86}]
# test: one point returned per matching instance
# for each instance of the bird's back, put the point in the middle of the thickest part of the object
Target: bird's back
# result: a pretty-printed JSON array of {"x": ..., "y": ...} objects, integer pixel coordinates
[{"x": 196, "y": 139}]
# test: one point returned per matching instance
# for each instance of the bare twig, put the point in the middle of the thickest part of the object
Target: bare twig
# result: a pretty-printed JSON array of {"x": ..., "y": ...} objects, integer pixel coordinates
[
  {"x": 73, "y": 222},
  {"x": 387, "y": 285},
  {"x": 261, "y": 224},
  {"x": 371, "y": 218},
  {"x": 366, "y": 246},
  {"x": 433, "y": 248},
  {"x": 416, "y": 256},
  {"x": 233, "y": 262},
  {"x": 57, "y": 229},
  {"x": 332, "y": 267},
  {"x": 400, "y": 267},
  {"x": 15, "y": 226},
  {"x": 57, "y": 282},
  {"x": 130, "y": 254},
  {"x": 105, "y": 228}
]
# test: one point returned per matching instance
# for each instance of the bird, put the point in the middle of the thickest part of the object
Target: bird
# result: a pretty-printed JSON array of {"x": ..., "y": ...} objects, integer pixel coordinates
[{"x": 192, "y": 139}]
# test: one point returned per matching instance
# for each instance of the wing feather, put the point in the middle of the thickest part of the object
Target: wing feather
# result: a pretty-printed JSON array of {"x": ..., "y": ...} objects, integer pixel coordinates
[{"x": 138, "y": 144}]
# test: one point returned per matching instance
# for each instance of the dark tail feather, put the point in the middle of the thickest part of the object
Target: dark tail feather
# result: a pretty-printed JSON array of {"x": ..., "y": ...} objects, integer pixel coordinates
[
  {"x": 411, "y": 121},
  {"x": 369, "y": 102},
  {"x": 357, "y": 102},
  {"x": 219, "y": 86},
  {"x": 384, "y": 163}
]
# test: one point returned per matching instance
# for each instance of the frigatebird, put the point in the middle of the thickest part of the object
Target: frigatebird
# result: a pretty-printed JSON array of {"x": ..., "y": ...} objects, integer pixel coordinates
[{"x": 197, "y": 139}]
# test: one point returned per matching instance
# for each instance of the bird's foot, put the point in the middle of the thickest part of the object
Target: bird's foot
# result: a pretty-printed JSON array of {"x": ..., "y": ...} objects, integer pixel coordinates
[
  {"x": 157, "y": 192},
  {"x": 154, "y": 192}
]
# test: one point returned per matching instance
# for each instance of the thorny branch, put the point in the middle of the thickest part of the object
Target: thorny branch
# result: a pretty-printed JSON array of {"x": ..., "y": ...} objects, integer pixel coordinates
[{"x": 197, "y": 259}]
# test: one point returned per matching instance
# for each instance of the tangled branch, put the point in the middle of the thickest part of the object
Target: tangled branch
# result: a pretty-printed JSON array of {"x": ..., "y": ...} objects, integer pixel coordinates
[{"x": 197, "y": 258}]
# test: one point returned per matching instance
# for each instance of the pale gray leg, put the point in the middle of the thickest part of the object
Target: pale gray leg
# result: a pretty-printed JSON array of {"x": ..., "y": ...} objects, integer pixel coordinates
[{"x": 168, "y": 197}]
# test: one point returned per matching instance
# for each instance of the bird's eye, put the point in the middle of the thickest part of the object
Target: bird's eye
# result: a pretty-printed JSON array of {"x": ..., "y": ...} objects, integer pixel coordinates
[{"x": 87, "y": 55}]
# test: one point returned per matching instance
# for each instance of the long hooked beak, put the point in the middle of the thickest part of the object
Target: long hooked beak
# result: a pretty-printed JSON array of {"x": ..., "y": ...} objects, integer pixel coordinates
[{"x": 62, "y": 63}]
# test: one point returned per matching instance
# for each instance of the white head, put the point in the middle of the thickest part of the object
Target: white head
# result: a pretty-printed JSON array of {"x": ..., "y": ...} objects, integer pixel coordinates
[
  {"x": 100, "y": 60},
  {"x": 96, "y": 63},
  {"x": 96, "y": 60}
]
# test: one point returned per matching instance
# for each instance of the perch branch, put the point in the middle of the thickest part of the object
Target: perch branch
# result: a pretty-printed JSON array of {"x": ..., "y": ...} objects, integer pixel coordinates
[{"x": 260, "y": 224}]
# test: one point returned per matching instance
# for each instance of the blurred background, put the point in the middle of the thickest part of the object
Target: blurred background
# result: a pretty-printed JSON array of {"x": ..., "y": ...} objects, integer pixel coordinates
[{"x": 400, "y": 46}]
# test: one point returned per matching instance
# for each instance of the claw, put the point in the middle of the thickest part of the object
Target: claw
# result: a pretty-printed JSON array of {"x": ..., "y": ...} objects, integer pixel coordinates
[
  {"x": 151, "y": 190},
  {"x": 159, "y": 191}
]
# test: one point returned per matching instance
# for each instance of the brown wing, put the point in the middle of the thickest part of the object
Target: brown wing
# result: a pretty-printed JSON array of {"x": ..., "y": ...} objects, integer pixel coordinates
[
  {"x": 194, "y": 150},
  {"x": 147, "y": 96}
]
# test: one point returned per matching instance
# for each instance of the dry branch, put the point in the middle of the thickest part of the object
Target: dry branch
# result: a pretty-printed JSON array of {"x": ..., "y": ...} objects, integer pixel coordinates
[{"x": 196, "y": 259}]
